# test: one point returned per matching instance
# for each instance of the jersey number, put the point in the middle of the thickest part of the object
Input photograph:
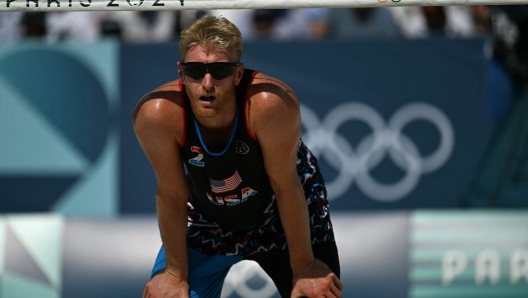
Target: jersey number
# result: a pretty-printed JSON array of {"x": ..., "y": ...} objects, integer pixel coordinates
[{"x": 197, "y": 161}]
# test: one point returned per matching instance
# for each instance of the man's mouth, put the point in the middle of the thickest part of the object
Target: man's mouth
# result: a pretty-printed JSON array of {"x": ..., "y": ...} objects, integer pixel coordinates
[{"x": 208, "y": 98}]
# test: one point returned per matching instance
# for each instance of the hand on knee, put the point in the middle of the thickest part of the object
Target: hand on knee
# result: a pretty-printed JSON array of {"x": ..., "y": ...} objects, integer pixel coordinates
[{"x": 164, "y": 285}]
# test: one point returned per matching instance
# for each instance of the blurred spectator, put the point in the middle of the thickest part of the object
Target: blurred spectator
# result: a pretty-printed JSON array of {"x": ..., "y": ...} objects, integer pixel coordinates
[
  {"x": 52, "y": 26},
  {"x": 242, "y": 18},
  {"x": 317, "y": 27},
  {"x": 417, "y": 21},
  {"x": 10, "y": 26},
  {"x": 138, "y": 26},
  {"x": 501, "y": 180},
  {"x": 507, "y": 68},
  {"x": 280, "y": 24},
  {"x": 263, "y": 23},
  {"x": 435, "y": 18},
  {"x": 146, "y": 26},
  {"x": 505, "y": 30},
  {"x": 77, "y": 26},
  {"x": 482, "y": 20},
  {"x": 294, "y": 24},
  {"x": 110, "y": 28},
  {"x": 183, "y": 18},
  {"x": 510, "y": 26},
  {"x": 272, "y": 24},
  {"x": 34, "y": 24},
  {"x": 360, "y": 23}
]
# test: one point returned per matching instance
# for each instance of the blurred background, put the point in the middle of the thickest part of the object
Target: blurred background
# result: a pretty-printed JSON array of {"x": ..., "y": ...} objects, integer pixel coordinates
[{"x": 427, "y": 174}]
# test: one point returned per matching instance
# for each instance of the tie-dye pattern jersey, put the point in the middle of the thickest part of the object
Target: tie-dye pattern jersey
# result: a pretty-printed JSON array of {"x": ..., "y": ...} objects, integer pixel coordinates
[{"x": 212, "y": 239}]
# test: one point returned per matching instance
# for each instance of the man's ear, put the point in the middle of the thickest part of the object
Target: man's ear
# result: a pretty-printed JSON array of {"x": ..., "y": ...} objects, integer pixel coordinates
[
  {"x": 239, "y": 73},
  {"x": 180, "y": 71}
]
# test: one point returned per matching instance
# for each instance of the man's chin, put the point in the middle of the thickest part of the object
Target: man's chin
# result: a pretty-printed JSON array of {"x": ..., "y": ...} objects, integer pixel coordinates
[
  {"x": 205, "y": 112},
  {"x": 204, "y": 109}
]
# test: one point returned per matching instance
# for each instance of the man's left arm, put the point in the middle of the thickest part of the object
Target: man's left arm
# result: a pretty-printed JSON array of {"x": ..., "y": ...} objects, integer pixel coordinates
[{"x": 278, "y": 129}]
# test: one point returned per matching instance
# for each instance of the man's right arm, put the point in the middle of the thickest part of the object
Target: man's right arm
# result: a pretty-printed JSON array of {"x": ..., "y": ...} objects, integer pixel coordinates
[{"x": 159, "y": 129}]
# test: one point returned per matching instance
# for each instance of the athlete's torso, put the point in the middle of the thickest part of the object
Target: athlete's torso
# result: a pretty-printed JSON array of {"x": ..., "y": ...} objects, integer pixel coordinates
[
  {"x": 232, "y": 208},
  {"x": 229, "y": 187}
]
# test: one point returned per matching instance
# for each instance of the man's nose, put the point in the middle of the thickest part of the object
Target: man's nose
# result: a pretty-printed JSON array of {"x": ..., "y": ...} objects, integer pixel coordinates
[{"x": 207, "y": 81}]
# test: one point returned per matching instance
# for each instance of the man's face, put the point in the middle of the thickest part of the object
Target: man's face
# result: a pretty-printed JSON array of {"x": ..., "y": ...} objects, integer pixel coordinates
[{"x": 210, "y": 97}]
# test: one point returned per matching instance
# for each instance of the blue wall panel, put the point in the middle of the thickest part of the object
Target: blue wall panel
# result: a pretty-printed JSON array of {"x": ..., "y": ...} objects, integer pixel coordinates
[{"x": 427, "y": 97}]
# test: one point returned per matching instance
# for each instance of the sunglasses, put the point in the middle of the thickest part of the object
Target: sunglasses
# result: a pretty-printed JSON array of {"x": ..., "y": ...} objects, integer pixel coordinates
[{"x": 218, "y": 70}]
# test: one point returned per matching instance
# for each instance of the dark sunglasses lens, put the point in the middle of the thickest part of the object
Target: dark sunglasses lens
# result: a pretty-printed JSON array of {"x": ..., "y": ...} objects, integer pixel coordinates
[
  {"x": 195, "y": 71},
  {"x": 221, "y": 71}
]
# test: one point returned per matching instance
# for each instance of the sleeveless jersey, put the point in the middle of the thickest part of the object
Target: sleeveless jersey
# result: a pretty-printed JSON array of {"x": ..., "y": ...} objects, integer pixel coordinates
[{"x": 232, "y": 208}]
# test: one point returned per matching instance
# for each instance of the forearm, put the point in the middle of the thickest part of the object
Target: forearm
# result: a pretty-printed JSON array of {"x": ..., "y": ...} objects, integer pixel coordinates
[
  {"x": 172, "y": 220},
  {"x": 293, "y": 212}
]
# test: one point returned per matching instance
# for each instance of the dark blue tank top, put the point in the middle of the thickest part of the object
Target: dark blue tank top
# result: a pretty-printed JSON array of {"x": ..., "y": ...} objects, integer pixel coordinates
[
  {"x": 232, "y": 207},
  {"x": 231, "y": 187}
]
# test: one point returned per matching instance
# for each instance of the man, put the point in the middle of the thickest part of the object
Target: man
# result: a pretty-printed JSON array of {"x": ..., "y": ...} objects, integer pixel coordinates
[{"x": 234, "y": 180}]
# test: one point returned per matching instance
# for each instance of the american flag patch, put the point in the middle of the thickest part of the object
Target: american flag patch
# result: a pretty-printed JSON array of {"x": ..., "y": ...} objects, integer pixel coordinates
[{"x": 219, "y": 186}]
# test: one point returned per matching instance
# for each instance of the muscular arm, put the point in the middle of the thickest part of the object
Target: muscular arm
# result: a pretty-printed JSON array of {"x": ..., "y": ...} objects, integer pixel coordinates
[
  {"x": 276, "y": 122},
  {"x": 278, "y": 129},
  {"x": 158, "y": 129}
]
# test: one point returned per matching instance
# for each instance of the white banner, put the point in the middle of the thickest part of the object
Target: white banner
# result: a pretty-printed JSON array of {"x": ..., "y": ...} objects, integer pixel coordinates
[{"x": 84, "y": 5}]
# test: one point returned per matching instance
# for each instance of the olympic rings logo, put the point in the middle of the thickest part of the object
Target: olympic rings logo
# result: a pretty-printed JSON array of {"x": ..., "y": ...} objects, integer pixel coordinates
[
  {"x": 355, "y": 164},
  {"x": 240, "y": 274}
]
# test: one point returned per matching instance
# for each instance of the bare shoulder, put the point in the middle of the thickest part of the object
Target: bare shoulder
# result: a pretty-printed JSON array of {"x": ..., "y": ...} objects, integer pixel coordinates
[
  {"x": 267, "y": 94},
  {"x": 271, "y": 101},
  {"x": 160, "y": 110}
]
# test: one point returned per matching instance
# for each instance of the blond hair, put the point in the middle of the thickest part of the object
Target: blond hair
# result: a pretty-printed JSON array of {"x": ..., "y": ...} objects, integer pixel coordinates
[{"x": 211, "y": 31}]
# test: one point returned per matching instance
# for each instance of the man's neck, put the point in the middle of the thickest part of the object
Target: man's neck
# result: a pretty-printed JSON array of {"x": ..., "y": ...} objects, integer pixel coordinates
[
  {"x": 224, "y": 119},
  {"x": 216, "y": 131},
  {"x": 216, "y": 139}
]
